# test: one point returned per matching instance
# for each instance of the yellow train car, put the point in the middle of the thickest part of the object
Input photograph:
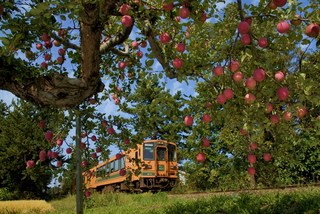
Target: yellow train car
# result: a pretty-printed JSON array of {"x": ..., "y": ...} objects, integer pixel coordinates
[{"x": 152, "y": 165}]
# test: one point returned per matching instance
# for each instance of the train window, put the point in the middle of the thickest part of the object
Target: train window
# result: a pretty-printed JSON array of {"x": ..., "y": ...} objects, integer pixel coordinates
[
  {"x": 116, "y": 165},
  {"x": 161, "y": 154},
  {"x": 112, "y": 166},
  {"x": 148, "y": 151},
  {"x": 107, "y": 168},
  {"x": 122, "y": 165},
  {"x": 172, "y": 154}
]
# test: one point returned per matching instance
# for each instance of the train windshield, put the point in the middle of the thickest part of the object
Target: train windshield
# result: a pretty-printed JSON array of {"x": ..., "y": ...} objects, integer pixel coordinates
[
  {"x": 172, "y": 154},
  {"x": 161, "y": 153},
  {"x": 148, "y": 153}
]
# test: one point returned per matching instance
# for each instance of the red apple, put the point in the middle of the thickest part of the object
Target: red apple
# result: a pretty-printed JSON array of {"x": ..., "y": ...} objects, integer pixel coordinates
[
  {"x": 47, "y": 44},
  {"x": 250, "y": 83},
  {"x": 312, "y": 30},
  {"x": 245, "y": 39},
  {"x": 243, "y": 27},
  {"x": 94, "y": 155},
  {"x": 283, "y": 27},
  {"x": 122, "y": 65},
  {"x": 167, "y": 6},
  {"x": 60, "y": 60},
  {"x": 287, "y": 116},
  {"x": 251, "y": 170},
  {"x": 140, "y": 54},
  {"x": 296, "y": 20},
  {"x": 253, "y": 146},
  {"x": 83, "y": 134},
  {"x": 56, "y": 43},
  {"x": 279, "y": 76},
  {"x": 184, "y": 12},
  {"x": 177, "y": 63},
  {"x": 234, "y": 65},
  {"x": 274, "y": 119},
  {"x": 205, "y": 142},
  {"x": 68, "y": 150},
  {"x": 272, "y": 5},
  {"x": 206, "y": 118},
  {"x": 203, "y": 17},
  {"x": 111, "y": 131},
  {"x": 248, "y": 20},
  {"x": 126, "y": 21},
  {"x": 48, "y": 136},
  {"x": 54, "y": 155},
  {"x": 42, "y": 124},
  {"x": 98, "y": 150},
  {"x": 237, "y": 76},
  {"x": 263, "y": 42},
  {"x": 124, "y": 9},
  {"x": 39, "y": 46},
  {"x": 228, "y": 93},
  {"x": 47, "y": 57},
  {"x": 249, "y": 98},
  {"x": 188, "y": 120},
  {"x": 280, "y": 3},
  {"x": 45, "y": 37},
  {"x": 269, "y": 108},
  {"x": 135, "y": 44},
  {"x": 44, "y": 65},
  {"x": 165, "y": 38},
  {"x": 180, "y": 47},
  {"x": 259, "y": 75},
  {"x": 177, "y": 18},
  {"x": 92, "y": 101},
  {"x": 30, "y": 164},
  {"x": 221, "y": 99},
  {"x": 267, "y": 156},
  {"x": 104, "y": 124},
  {"x": 252, "y": 158},
  {"x": 301, "y": 112},
  {"x": 59, "y": 163},
  {"x": 59, "y": 142},
  {"x": 283, "y": 93},
  {"x": 83, "y": 146},
  {"x": 87, "y": 194},
  {"x": 126, "y": 141},
  {"x": 49, "y": 154},
  {"x": 62, "y": 32},
  {"x": 201, "y": 157},
  {"x": 243, "y": 132},
  {"x": 84, "y": 163},
  {"x": 61, "y": 51},
  {"x": 208, "y": 105},
  {"x": 42, "y": 155},
  {"x": 143, "y": 44},
  {"x": 118, "y": 156},
  {"x": 218, "y": 70},
  {"x": 122, "y": 172}
]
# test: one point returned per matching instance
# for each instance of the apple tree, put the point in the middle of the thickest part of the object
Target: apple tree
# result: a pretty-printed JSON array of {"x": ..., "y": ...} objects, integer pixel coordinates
[
  {"x": 255, "y": 64},
  {"x": 29, "y": 160}
]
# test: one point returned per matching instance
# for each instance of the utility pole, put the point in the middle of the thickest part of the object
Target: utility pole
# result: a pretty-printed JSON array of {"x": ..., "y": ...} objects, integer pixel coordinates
[{"x": 79, "y": 194}]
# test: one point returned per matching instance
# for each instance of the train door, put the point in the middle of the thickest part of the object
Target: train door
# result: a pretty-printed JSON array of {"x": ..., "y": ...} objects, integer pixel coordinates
[{"x": 161, "y": 161}]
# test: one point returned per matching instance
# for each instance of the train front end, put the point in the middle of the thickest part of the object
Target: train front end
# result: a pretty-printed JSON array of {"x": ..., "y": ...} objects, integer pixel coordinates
[{"x": 160, "y": 166}]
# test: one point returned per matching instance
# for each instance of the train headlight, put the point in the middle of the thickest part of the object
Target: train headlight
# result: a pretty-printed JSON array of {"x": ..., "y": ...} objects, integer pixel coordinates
[{"x": 173, "y": 167}]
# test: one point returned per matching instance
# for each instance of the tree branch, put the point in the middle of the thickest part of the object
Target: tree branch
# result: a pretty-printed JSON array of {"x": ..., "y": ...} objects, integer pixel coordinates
[
  {"x": 157, "y": 51},
  {"x": 116, "y": 40},
  {"x": 65, "y": 42}
]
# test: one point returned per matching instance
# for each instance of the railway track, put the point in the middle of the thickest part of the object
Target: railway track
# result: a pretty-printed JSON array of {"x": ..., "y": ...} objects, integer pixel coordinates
[{"x": 235, "y": 192}]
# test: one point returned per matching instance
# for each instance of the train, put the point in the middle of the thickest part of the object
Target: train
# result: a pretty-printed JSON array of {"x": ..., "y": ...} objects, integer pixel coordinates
[{"x": 151, "y": 166}]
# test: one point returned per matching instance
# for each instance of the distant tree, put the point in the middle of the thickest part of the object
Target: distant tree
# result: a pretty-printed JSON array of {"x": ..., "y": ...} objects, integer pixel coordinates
[{"x": 21, "y": 140}]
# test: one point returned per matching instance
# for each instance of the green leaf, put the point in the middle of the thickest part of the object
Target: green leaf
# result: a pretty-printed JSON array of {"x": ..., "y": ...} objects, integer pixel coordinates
[{"x": 149, "y": 62}]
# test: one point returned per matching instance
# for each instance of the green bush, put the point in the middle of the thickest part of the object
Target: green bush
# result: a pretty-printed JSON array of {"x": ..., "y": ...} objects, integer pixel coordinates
[{"x": 6, "y": 195}]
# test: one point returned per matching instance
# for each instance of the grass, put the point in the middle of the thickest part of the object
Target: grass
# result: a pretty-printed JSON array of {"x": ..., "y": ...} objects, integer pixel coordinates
[
  {"x": 303, "y": 200},
  {"x": 25, "y": 206}
]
